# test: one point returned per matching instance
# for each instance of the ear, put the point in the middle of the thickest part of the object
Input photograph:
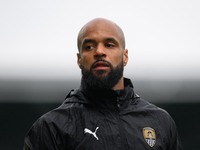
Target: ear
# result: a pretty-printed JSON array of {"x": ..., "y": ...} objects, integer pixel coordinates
[
  {"x": 125, "y": 55},
  {"x": 79, "y": 60}
]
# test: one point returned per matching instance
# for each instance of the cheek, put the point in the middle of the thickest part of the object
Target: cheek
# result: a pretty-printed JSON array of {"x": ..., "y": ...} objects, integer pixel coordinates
[
  {"x": 86, "y": 61},
  {"x": 116, "y": 60}
]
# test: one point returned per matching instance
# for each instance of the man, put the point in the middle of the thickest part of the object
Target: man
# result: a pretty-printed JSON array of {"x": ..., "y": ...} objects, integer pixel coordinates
[{"x": 104, "y": 113}]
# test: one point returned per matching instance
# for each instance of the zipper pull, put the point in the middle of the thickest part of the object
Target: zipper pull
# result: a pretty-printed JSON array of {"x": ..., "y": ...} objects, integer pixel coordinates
[{"x": 118, "y": 105}]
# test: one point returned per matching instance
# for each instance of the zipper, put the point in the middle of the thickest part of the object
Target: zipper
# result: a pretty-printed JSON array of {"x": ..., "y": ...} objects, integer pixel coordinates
[{"x": 124, "y": 144}]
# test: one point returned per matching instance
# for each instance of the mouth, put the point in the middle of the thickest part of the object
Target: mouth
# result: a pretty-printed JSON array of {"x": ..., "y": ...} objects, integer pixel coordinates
[{"x": 101, "y": 65}]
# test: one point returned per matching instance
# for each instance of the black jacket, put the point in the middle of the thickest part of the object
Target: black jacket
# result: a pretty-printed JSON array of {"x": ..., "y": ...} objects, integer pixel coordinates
[{"x": 104, "y": 120}]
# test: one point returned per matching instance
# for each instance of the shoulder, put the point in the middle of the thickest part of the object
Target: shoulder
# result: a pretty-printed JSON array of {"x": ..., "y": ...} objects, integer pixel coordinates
[
  {"x": 65, "y": 113},
  {"x": 52, "y": 123},
  {"x": 160, "y": 120},
  {"x": 68, "y": 112},
  {"x": 71, "y": 108},
  {"x": 150, "y": 107},
  {"x": 159, "y": 114}
]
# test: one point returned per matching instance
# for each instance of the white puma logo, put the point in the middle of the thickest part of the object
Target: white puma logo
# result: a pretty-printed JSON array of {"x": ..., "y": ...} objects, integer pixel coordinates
[{"x": 90, "y": 132}]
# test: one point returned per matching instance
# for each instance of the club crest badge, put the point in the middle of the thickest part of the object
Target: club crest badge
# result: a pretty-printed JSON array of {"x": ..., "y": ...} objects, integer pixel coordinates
[{"x": 149, "y": 136}]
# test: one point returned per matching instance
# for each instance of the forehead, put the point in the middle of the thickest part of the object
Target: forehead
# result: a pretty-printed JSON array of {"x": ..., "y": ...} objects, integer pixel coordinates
[{"x": 99, "y": 31}]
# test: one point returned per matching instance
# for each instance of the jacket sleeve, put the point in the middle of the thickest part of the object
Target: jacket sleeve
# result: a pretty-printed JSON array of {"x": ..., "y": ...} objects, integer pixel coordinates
[
  {"x": 175, "y": 143},
  {"x": 169, "y": 127},
  {"x": 41, "y": 137}
]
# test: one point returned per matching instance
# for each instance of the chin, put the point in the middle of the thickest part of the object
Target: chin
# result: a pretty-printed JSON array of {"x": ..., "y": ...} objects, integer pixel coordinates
[{"x": 101, "y": 73}]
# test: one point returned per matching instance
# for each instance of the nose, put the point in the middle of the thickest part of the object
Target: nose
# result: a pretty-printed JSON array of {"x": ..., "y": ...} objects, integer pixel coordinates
[{"x": 100, "y": 52}]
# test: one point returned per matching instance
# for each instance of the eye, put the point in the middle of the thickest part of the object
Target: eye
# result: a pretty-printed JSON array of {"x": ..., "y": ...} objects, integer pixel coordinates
[
  {"x": 89, "y": 47},
  {"x": 110, "y": 45}
]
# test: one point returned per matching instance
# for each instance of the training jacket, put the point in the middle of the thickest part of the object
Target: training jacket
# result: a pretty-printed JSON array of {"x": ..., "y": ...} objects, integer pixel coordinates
[{"x": 104, "y": 120}]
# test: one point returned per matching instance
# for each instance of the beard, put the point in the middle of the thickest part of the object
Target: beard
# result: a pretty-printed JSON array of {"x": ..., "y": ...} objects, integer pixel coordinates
[{"x": 101, "y": 81}]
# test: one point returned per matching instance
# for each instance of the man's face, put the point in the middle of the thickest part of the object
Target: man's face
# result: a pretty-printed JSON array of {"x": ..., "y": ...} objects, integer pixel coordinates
[{"x": 101, "y": 51}]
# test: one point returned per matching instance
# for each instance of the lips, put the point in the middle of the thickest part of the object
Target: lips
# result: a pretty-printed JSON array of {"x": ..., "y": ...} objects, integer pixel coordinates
[{"x": 101, "y": 65}]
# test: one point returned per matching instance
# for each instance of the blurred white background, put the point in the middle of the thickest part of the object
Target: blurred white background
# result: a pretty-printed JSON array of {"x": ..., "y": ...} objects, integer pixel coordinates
[{"x": 38, "y": 38}]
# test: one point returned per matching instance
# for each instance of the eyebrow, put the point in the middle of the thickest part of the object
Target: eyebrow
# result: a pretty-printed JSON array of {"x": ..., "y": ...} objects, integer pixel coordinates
[
  {"x": 88, "y": 41},
  {"x": 111, "y": 40},
  {"x": 94, "y": 41}
]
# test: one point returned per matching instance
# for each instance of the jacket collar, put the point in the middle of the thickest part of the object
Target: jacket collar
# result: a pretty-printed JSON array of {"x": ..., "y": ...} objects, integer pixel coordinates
[{"x": 110, "y": 98}]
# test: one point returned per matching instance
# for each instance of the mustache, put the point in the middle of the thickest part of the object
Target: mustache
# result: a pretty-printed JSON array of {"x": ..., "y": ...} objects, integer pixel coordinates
[{"x": 110, "y": 65}]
